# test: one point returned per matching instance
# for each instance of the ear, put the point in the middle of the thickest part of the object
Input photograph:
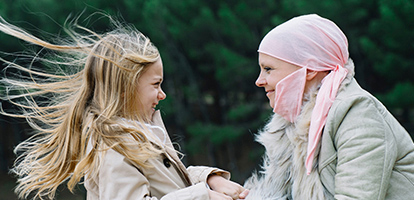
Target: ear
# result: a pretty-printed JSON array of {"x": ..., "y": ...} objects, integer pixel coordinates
[{"x": 310, "y": 74}]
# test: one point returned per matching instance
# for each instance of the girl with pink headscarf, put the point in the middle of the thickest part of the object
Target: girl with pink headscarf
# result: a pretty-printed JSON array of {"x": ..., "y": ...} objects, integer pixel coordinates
[{"x": 328, "y": 138}]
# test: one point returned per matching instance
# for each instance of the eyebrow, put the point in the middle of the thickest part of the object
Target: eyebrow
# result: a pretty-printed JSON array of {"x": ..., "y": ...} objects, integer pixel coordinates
[
  {"x": 263, "y": 65},
  {"x": 158, "y": 79}
]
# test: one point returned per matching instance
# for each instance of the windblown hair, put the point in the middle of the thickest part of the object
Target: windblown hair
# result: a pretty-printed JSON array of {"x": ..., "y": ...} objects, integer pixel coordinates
[{"x": 93, "y": 85}]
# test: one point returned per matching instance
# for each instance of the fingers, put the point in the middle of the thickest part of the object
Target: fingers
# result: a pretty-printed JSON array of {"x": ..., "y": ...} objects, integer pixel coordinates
[
  {"x": 235, "y": 192},
  {"x": 244, "y": 194},
  {"x": 214, "y": 195},
  {"x": 218, "y": 196},
  {"x": 227, "y": 187}
]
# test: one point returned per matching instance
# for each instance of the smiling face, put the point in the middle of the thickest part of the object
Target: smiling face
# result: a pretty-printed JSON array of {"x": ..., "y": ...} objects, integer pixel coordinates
[
  {"x": 149, "y": 88},
  {"x": 272, "y": 70}
]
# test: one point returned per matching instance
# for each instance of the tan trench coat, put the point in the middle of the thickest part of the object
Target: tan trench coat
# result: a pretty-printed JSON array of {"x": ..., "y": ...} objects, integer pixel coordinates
[{"x": 119, "y": 179}]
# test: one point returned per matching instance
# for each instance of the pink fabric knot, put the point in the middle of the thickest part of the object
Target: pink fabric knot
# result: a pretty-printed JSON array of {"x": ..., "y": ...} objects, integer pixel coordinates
[
  {"x": 324, "y": 99},
  {"x": 337, "y": 67}
]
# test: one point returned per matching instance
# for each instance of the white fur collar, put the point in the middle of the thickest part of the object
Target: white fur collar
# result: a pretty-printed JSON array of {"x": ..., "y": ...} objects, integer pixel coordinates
[{"x": 283, "y": 174}]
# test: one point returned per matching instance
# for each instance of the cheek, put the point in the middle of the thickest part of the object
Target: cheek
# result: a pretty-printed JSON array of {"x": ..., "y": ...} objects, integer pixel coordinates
[
  {"x": 144, "y": 96},
  {"x": 151, "y": 97},
  {"x": 277, "y": 77},
  {"x": 273, "y": 80}
]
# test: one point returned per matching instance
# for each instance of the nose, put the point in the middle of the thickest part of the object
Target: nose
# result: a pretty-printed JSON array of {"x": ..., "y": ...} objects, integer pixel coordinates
[
  {"x": 161, "y": 95},
  {"x": 260, "y": 82}
]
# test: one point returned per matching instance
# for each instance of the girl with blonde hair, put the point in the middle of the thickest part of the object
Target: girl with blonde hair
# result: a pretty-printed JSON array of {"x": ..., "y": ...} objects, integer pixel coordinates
[{"x": 94, "y": 118}]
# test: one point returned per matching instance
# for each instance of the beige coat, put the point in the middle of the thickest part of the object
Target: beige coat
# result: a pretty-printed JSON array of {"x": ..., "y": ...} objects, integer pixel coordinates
[{"x": 119, "y": 179}]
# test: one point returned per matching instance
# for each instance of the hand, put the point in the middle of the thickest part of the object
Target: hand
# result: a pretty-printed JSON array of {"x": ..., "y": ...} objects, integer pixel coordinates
[
  {"x": 227, "y": 187},
  {"x": 218, "y": 196}
]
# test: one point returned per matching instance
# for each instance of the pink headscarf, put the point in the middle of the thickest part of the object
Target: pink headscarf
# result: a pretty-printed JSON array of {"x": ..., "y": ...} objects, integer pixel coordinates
[{"x": 314, "y": 43}]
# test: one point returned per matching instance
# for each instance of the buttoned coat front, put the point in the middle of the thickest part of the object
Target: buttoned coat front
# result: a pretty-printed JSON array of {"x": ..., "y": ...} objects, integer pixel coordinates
[{"x": 166, "y": 178}]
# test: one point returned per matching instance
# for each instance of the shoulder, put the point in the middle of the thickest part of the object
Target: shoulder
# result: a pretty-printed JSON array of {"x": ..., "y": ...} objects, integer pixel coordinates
[
  {"x": 355, "y": 111},
  {"x": 352, "y": 99}
]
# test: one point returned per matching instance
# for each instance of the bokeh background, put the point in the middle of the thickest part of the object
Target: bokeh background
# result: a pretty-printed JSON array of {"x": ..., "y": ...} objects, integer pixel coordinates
[{"x": 213, "y": 108}]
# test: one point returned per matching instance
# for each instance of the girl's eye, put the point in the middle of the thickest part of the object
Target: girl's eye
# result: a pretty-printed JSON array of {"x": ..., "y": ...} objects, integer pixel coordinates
[{"x": 266, "y": 69}]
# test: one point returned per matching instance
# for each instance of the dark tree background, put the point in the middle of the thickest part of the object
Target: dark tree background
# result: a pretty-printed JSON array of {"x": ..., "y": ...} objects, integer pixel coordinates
[{"x": 213, "y": 109}]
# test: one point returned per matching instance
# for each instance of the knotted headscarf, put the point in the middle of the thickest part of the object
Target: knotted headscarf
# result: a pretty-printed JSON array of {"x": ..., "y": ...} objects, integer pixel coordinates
[{"x": 314, "y": 43}]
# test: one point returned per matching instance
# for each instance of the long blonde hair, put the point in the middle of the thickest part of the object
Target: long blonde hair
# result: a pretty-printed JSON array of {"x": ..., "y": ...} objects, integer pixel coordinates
[{"x": 93, "y": 85}]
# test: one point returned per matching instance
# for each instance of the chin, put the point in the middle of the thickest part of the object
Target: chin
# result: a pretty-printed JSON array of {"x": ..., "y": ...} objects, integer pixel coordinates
[{"x": 271, "y": 104}]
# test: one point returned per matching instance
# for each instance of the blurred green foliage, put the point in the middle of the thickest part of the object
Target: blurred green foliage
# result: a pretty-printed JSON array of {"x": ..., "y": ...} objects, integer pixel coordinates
[{"x": 213, "y": 107}]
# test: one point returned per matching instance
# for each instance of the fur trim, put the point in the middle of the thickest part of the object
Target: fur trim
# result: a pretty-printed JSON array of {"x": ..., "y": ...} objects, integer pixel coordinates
[{"x": 283, "y": 173}]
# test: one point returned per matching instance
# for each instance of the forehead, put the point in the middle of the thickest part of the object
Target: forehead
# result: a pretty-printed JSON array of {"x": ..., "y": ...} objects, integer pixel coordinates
[
  {"x": 266, "y": 60},
  {"x": 270, "y": 61},
  {"x": 154, "y": 70}
]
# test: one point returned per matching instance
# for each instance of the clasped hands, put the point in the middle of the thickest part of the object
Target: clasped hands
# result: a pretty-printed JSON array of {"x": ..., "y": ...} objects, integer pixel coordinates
[{"x": 222, "y": 188}]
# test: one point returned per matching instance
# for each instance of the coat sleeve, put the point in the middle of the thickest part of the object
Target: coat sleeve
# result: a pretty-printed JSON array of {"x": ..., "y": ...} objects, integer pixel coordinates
[
  {"x": 200, "y": 173},
  {"x": 366, "y": 150},
  {"x": 119, "y": 180}
]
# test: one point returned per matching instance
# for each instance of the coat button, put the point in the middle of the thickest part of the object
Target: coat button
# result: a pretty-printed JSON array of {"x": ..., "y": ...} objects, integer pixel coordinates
[{"x": 167, "y": 163}]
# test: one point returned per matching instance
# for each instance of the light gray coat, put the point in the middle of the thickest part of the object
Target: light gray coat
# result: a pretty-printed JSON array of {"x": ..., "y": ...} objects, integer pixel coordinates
[{"x": 364, "y": 153}]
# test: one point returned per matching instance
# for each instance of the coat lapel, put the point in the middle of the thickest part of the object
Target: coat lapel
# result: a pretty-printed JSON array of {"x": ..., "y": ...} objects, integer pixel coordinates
[{"x": 166, "y": 144}]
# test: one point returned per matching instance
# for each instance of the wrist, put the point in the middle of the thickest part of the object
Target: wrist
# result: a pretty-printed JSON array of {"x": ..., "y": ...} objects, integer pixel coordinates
[{"x": 212, "y": 179}]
